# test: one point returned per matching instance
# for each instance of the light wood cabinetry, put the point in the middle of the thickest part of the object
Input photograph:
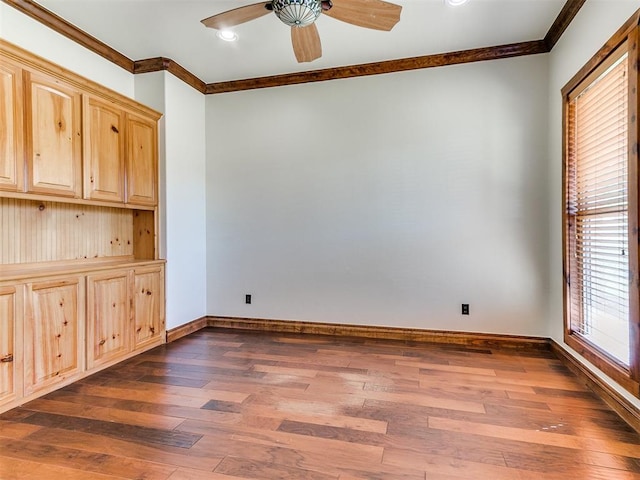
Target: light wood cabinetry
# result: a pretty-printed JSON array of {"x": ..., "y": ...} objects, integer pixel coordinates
[
  {"x": 125, "y": 312},
  {"x": 52, "y": 332},
  {"x": 10, "y": 358},
  {"x": 11, "y": 140},
  {"x": 109, "y": 329},
  {"x": 148, "y": 305},
  {"x": 56, "y": 327},
  {"x": 104, "y": 141},
  {"x": 141, "y": 160},
  {"x": 53, "y": 140},
  {"x": 64, "y": 136},
  {"x": 81, "y": 282},
  {"x": 120, "y": 154}
]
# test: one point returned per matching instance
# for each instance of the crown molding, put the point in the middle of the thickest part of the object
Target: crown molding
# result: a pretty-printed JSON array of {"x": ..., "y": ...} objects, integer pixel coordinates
[
  {"x": 58, "y": 24},
  {"x": 565, "y": 17},
  {"x": 379, "y": 68},
  {"x": 158, "y": 64}
]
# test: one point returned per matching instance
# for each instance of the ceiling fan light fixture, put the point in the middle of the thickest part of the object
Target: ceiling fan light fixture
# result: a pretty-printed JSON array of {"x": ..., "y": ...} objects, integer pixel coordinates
[
  {"x": 455, "y": 3},
  {"x": 297, "y": 13},
  {"x": 227, "y": 35}
]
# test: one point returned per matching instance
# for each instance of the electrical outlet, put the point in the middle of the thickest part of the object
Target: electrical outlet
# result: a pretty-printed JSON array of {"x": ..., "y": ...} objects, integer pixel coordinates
[
  {"x": 247, "y": 298},
  {"x": 465, "y": 309}
]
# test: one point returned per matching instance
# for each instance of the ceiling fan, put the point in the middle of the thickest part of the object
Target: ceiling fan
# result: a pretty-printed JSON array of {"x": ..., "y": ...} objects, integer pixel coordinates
[{"x": 301, "y": 15}]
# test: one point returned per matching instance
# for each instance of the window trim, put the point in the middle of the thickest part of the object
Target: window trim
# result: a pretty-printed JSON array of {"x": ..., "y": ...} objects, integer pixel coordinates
[{"x": 629, "y": 378}]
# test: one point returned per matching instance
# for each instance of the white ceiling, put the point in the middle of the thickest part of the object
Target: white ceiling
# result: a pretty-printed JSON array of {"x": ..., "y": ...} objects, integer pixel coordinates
[{"x": 143, "y": 29}]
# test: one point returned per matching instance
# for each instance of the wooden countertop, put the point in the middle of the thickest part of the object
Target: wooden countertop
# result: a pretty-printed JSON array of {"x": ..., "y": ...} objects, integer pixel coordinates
[{"x": 23, "y": 271}]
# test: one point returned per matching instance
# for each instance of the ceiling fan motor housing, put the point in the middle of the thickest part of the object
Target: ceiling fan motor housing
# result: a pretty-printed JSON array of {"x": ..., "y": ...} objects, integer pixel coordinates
[{"x": 297, "y": 13}]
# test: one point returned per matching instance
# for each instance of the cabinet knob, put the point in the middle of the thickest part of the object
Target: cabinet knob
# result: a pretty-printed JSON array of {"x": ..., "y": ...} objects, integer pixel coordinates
[{"x": 7, "y": 358}]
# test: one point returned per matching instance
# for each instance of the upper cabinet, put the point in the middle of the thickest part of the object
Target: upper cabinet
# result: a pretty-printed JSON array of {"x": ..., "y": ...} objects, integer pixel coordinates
[
  {"x": 120, "y": 154},
  {"x": 104, "y": 141},
  {"x": 64, "y": 136},
  {"x": 53, "y": 139},
  {"x": 11, "y": 143},
  {"x": 141, "y": 164}
]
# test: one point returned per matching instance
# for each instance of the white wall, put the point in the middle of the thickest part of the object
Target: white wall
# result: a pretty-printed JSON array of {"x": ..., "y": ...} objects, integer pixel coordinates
[
  {"x": 185, "y": 203},
  {"x": 31, "y": 35},
  {"x": 386, "y": 200},
  {"x": 595, "y": 23},
  {"x": 182, "y": 192}
]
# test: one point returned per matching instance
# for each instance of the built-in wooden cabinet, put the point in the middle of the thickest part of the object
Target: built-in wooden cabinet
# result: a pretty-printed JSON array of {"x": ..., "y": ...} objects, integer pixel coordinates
[
  {"x": 125, "y": 312},
  {"x": 56, "y": 328},
  {"x": 104, "y": 150},
  {"x": 11, "y": 140},
  {"x": 53, "y": 138},
  {"x": 10, "y": 358},
  {"x": 53, "y": 332},
  {"x": 120, "y": 154},
  {"x": 81, "y": 281},
  {"x": 141, "y": 160},
  {"x": 148, "y": 305},
  {"x": 109, "y": 316},
  {"x": 64, "y": 136}
]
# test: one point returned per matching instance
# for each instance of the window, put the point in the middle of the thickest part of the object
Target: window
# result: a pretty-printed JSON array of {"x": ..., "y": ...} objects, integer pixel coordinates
[{"x": 601, "y": 211}]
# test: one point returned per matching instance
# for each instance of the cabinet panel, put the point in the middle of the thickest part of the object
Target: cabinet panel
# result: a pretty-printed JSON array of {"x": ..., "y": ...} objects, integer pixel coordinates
[
  {"x": 108, "y": 317},
  {"x": 103, "y": 132},
  {"x": 141, "y": 163},
  {"x": 9, "y": 341},
  {"x": 11, "y": 138},
  {"x": 52, "y": 333},
  {"x": 53, "y": 136},
  {"x": 148, "y": 306}
]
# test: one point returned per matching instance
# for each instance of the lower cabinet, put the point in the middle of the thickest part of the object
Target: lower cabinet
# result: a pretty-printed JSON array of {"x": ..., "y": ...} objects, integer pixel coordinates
[
  {"x": 52, "y": 332},
  {"x": 148, "y": 305},
  {"x": 108, "y": 316},
  {"x": 57, "y": 329},
  {"x": 125, "y": 312},
  {"x": 10, "y": 358}
]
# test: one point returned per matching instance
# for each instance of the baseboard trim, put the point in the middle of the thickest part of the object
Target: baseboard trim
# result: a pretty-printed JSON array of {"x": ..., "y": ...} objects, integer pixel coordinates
[
  {"x": 184, "y": 330},
  {"x": 611, "y": 397},
  {"x": 477, "y": 340}
]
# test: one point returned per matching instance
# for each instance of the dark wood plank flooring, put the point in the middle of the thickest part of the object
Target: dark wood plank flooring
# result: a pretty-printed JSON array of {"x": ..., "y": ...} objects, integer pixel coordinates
[{"x": 229, "y": 405}]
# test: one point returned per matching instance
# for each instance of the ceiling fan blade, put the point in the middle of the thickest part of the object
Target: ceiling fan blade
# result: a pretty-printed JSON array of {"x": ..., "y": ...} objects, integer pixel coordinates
[
  {"x": 234, "y": 17},
  {"x": 375, "y": 14},
  {"x": 306, "y": 43}
]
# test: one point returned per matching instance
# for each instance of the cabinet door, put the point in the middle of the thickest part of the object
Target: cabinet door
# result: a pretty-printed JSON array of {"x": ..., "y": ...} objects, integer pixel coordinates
[
  {"x": 142, "y": 161},
  {"x": 148, "y": 306},
  {"x": 103, "y": 140},
  {"x": 52, "y": 333},
  {"x": 11, "y": 139},
  {"x": 109, "y": 322},
  {"x": 10, "y": 359},
  {"x": 53, "y": 138}
]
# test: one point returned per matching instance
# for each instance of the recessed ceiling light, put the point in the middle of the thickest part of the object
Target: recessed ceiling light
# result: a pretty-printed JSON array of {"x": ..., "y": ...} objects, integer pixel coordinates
[
  {"x": 227, "y": 35},
  {"x": 455, "y": 3}
]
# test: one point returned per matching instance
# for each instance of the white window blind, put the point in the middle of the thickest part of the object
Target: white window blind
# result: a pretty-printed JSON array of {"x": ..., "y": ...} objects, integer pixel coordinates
[{"x": 597, "y": 186}]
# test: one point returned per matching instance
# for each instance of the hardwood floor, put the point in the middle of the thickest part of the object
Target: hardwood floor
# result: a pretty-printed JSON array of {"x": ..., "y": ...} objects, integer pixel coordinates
[{"x": 229, "y": 405}]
